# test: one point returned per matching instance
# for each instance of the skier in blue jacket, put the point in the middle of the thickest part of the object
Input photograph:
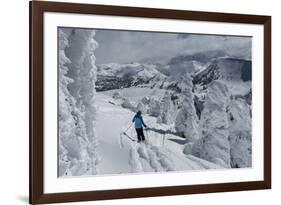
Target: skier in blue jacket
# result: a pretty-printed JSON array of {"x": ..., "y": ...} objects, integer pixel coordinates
[{"x": 138, "y": 125}]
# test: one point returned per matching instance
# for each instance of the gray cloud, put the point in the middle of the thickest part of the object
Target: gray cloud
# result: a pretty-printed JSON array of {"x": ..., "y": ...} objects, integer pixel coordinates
[{"x": 128, "y": 46}]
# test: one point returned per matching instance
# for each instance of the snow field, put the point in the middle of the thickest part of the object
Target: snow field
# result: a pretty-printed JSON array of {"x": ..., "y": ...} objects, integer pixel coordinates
[{"x": 120, "y": 155}]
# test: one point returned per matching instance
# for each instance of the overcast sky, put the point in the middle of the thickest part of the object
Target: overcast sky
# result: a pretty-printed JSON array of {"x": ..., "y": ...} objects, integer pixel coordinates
[{"x": 128, "y": 46}]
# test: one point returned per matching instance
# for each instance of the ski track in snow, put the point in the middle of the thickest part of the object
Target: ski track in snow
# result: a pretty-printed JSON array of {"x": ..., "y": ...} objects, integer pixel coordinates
[
  {"x": 120, "y": 154},
  {"x": 152, "y": 157}
]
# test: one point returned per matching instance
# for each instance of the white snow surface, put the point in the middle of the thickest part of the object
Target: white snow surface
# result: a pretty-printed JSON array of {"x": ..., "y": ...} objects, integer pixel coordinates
[{"x": 120, "y": 155}]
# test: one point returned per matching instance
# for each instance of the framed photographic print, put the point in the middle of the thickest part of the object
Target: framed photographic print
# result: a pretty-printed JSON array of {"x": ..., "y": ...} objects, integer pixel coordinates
[{"x": 139, "y": 102}]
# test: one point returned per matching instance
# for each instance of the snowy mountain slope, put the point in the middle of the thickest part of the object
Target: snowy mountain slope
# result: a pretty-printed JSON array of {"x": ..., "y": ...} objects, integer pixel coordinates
[
  {"x": 121, "y": 155},
  {"x": 116, "y": 76},
  {"x": 235, "y": 72},
  {"x": 190, "y": 87},
  {"x": 127, "y": 70},
  {"x": 233, "y": 69}
]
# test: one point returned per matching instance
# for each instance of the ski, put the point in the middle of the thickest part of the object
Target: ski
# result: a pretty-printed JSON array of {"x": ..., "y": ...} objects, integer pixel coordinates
[{"x": 124, "y": 133}]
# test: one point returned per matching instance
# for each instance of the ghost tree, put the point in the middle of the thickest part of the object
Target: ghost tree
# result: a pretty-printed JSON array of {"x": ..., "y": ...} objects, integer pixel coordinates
[
  {"x": 168, "y": 110},
  {"x": 240, "y": 133},
  {"x": 82, "y": 71},
  {"x": 186, "y": 120},
  {"x": 67, "y": 138},
  {"x": 214, "y": 145}
]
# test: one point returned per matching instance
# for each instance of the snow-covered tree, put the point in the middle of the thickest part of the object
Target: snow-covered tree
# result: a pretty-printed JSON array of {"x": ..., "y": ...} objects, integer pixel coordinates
[
  {"x": 154, "y": 108},
  {"x": 143, "y": 104},
  {"x": 240, "y": 135},
  {"x": 82, "y": 71},
  {"x": 214, "y": 145},
  {"x": 187, "y": 120},
  {"x": 116, "y": 95},
  {"x": 67, "y": 139},
  {"x": 128, "y": 105},
  {"x": 168, "y": 110},
  {"x": 71, "y": 124}
]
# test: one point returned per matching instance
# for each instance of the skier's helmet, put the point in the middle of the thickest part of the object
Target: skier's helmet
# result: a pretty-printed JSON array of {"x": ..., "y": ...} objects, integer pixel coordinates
[{"x": 139, "y": 112}]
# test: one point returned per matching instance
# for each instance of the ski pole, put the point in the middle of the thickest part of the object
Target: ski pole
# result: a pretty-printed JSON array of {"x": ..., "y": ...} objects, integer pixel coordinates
[
  {"x": 147, "y": 136},
  {"x": 128, "y": 127}
]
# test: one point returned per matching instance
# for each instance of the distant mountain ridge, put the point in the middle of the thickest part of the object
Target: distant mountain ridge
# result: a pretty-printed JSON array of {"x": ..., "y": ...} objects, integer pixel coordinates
[
  {"x": 204, "y": 67},
  {"x": 202, "y": 57},
  {"x": 116, "y": 76}
]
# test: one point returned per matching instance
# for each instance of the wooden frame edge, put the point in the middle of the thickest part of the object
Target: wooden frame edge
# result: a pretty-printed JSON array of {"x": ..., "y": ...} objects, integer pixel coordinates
[
  {"x": 149, "y": 192},
  {"x": 36, "y": 102},
  {"x": 267, "y": 102}
]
